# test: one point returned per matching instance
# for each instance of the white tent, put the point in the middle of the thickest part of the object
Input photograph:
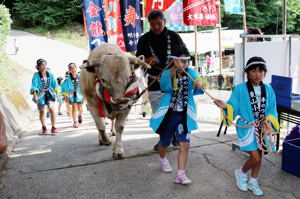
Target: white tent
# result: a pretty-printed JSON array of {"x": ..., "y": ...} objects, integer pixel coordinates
[{"x": 208, "y": 41}]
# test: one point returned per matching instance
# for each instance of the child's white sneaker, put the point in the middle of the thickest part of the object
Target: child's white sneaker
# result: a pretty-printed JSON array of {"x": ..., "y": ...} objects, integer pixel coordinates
[
  {"x": 165, "y": 166},
  {"x": 182, "y": 179},
  {"x": 241, "y": 181},
  {"x": 254, "y": 187}
]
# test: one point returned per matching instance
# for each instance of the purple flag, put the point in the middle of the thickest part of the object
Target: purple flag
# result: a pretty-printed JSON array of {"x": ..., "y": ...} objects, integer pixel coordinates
[
  {"x": 131, "y": 23},
  {"x": 94, "y": 22}
]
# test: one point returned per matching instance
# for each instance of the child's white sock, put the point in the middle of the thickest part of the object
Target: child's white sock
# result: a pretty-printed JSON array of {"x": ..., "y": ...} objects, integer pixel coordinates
[
  {"x": 163, "y": 159},
  {"x": 180, "y": 172},
  {"x": 252, "y": 179},
  {"x": 242, "y": 172}
]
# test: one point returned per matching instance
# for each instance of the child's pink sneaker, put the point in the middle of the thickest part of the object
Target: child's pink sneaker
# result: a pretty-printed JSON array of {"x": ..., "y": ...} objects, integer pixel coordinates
[
  {"x": 75, "y": 125},
  {"x": 165, "y": 166},
  {"x": 182, "y": 179},
  {"x": 44, "y": 130},
  {"x": 53, "y": 130},
  {"x": 79, "y": 119}
]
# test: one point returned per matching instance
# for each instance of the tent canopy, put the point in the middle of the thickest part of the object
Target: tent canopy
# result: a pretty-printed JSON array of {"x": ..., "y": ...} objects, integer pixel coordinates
[{"x": 208, "y": 41}]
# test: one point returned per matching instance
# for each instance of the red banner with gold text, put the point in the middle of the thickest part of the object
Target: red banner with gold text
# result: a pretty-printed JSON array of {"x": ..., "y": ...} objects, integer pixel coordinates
[
  {"x": 114, "y": 24},
  {"x": 201, "y": 12},
  {"x": 157, "y": 5}
]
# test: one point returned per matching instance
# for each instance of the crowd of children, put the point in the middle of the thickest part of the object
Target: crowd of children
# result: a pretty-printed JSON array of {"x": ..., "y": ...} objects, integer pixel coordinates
[{"x": 252, "y": 101}]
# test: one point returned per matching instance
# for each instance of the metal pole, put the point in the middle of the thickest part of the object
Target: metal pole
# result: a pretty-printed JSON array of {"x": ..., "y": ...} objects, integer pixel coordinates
[
  {"x": 284, "y": 18},
  {"x": 244, "y": 16},
  {"x": 244, "y": 55},
  {"x": 143, "y": 14},
  {"x": 196, "y": 49},
  {"x": 290, "y": 56},
  {"x": 220, "y": 43}
]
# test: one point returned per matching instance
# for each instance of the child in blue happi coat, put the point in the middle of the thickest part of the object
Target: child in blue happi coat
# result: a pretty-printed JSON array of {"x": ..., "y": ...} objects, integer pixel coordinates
[
  {"x": 64, "y": 93},
  {"x": 60, "y": 98},
  {"x": 251, "y": 101},
  {"x": 176, "y": 113},
  {"x": 44, "y": 89},
  {"x": 74, "y": 94}
]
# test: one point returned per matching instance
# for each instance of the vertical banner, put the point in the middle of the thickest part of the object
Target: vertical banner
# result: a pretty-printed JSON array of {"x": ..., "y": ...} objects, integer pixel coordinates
[
  {"x": 174, "y": 16},
  {"x": 201, "y": 12},
  {"x": 131, "y": 22},
  {"x": 233, "y": 6},
  {"x": 157, "y": 5},
  {"x": 114, "y": 24},
  {"x": 95, "y": 23}
]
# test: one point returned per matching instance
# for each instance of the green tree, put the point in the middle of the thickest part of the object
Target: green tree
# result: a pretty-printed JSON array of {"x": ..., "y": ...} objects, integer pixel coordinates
[
  {"x": 5, "y": 22},
  {"x": 267, "y": 15},
  {"x": 51, "y": 14}
]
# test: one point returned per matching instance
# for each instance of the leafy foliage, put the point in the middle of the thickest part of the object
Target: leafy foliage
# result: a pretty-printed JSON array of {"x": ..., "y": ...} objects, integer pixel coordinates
[
  {"x": 51, "y": 14},
  {"x": 5, "y": 22},
  {"x": 267, "y": 15}
]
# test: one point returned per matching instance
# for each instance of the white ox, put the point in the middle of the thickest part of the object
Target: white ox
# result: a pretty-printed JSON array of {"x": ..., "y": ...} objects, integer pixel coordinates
[{"x": 108, "y": 75}]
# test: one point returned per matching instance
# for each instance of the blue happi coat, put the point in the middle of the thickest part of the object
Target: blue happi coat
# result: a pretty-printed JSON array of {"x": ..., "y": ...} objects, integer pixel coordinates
[
  {"x": 167, "y": 88},
  {"x": 59, "y": 95},
  {"x": 239, "y": 106},
  {"x": 37, "y": 86},
  {"x": 68, "y": 90},
  {"x": 63, "y": 86}
]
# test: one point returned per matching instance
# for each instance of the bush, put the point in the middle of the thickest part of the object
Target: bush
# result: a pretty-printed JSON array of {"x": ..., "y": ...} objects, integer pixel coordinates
[
  {"x": 51, "y": 14},
  {"x": 5, "y": 22}
]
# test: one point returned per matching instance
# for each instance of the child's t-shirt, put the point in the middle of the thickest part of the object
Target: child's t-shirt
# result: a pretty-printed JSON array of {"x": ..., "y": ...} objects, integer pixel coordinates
[
  {"x": 257, "y": 92},
  {"x": 179, "y": 99}
]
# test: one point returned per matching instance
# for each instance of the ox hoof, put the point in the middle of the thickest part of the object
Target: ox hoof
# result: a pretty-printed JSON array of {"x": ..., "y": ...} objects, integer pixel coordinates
[
  {"x": 118, "y": 156},
  {"x": 107, "y": 143}
]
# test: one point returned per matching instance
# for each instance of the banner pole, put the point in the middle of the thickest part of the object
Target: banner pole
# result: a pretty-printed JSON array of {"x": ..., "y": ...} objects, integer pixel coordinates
[
  {"x": 244, "y": 16},
  {"x": 219, "y": 37},
  {"x": 284, "y": 18},
  {"x": 196, "y": 49}
]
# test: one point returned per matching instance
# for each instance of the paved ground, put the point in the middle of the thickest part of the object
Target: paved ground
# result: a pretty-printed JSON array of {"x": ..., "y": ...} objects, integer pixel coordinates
[
  {"x": 56, "y": 53},
  {"x": 73, "y": 165}
]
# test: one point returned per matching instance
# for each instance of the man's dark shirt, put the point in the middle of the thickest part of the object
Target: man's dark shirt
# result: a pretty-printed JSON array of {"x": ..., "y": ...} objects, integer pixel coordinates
[{"x": 159, "y": 46}]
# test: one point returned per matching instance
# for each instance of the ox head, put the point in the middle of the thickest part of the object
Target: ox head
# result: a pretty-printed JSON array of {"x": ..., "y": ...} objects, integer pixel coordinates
[{"x": 115, "y": 71}]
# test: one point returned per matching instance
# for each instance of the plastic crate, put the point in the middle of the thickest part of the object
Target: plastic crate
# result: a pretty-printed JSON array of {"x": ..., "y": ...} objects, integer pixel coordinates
[
  {"x": 282, "y": 87},
  {"x": 286, "y": 101},
  {"x": 291, "y": 156}
]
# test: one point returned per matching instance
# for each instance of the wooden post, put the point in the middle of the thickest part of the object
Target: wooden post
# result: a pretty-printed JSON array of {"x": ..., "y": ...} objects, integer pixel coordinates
[
  {"x": 244, "y": 16},
  {"x": 284, "y": 18}
]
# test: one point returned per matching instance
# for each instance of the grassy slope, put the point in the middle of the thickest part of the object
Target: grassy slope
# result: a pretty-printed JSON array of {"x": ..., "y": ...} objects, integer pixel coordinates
[{"x": 9, "y": 72}]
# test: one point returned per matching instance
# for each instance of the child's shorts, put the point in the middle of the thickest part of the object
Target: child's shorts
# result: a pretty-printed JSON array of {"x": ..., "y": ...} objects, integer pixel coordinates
[
  {"x": 174, "y": 125},
  {"x": 42, "y": 106},
  {"x": 74, "y": 102}
]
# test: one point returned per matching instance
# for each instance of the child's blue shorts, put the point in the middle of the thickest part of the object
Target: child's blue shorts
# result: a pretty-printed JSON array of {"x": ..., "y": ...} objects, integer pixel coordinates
[{"x": 174, "y": 125}]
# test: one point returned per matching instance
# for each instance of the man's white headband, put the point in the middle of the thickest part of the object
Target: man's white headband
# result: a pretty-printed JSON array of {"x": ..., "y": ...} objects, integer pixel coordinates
[
  {"x": 181, "y": 58},
  {"x": 255, "y": 63}
]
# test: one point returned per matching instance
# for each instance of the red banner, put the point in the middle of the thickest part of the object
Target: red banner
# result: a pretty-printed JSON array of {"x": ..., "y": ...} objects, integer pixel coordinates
[
  {"x": 114, "y": 24},
  {"x": 157, "y": 5},
  {"x": 201, "y": 12}
]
